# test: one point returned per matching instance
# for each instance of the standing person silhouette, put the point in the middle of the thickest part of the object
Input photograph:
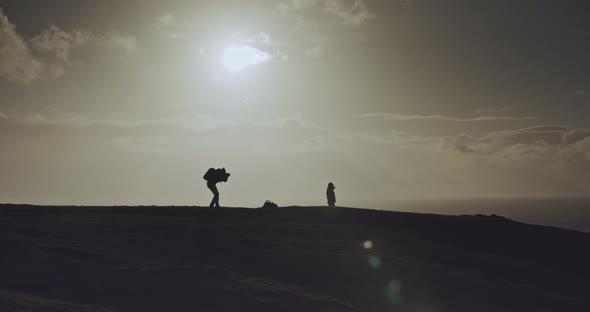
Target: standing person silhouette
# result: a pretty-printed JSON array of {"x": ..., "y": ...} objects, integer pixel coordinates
[
  {"x": 331, "y": 195},
  {"x": 214, "y": 176}
]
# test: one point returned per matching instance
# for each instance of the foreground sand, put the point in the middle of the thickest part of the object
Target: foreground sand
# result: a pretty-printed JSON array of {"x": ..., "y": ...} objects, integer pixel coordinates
[{"x": 285, "y": 259}]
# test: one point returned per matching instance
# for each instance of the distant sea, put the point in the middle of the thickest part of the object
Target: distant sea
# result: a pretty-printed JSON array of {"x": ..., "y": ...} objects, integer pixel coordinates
[{"x": 568, "y": 213}]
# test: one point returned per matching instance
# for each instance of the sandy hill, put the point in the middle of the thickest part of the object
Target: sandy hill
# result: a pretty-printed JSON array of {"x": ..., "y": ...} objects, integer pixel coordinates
[{"x": 284, "y": 259}]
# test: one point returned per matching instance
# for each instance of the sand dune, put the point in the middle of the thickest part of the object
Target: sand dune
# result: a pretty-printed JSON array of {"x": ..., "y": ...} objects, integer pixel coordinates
[{"x": 285, "y": 259}]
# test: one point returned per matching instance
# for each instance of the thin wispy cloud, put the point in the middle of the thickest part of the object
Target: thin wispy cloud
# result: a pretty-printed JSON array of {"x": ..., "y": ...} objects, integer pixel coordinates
[
  {"x": 493, "y": 111},
  {"x": 79, "y": 120},
  {"x": 196, "y": 122},
  {"x": 400, "y": 117},
  {"x": 143, "y": 144}
]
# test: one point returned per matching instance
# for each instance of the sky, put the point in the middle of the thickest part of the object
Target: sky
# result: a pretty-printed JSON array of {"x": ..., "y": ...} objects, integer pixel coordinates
[{"x": 130, "y": 102}]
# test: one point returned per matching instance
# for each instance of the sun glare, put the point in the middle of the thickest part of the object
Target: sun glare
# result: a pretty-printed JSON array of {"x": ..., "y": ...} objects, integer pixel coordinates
[{"x": 237, "y": 58}]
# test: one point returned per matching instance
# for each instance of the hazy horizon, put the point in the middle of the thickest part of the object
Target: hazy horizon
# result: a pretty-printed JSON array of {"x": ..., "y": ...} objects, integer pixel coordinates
[
  {"x": 129, "y": 103},
  {"x": 319, "y": 201},
  {"x": 566, "y": 212}
]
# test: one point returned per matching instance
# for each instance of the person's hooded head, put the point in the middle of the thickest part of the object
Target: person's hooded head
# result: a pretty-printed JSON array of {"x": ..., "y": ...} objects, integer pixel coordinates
[{"x": 331, "y": 186}]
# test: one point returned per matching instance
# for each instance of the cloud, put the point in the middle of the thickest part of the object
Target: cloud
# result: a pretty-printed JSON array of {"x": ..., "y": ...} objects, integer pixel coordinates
[
  {"x": 167, "y": 19},
  {"x": 319, "y": 143},
  {"x": 197, "y": 122},
  {"x": 398, "y": 117},
  {"x": 243, "y": 49},
  {"x": 170, "y": 26},
  {"x": 543, "y": 146},
  {"x": 318, "y": 26},
  {"x": 237, "y": 58},
  {"x": 59, "y": 42},
  {"x": 552, "y": 144},
  {"x": 575, "y": 146},
  {"x": 17, "y": 63},
  {"x": 263, "y": 40},
  {"x": 354, "y": 14},
  {"x": 296, "y": 133},
  {"x": 315, "y": 52},
  {"x": 348, "y": 12},
  {"x": 342, "y": 140},
  {"x": 303, "y": 4},
  {"x": 260, "y": 38},
  {"x": 494, "y": 111},
  {"x": 397, "y": 138},
  {"x": 461, "y": 143},
  {"x": 115, "y": 41},
  {"x": 54, "y": 46},
  {"x": 143, "y": 144},
  {"x": 48, "y": 54},
  {"x": 287, "y": 6},
  {"x": 281, "y": 122},
  {"x": 579, "y": 148}
]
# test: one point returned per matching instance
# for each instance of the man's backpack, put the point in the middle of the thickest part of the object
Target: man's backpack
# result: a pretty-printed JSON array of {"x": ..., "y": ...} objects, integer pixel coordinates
[
  {"x": 270, "y": 204},
  {"x": 210, "y": 174}
]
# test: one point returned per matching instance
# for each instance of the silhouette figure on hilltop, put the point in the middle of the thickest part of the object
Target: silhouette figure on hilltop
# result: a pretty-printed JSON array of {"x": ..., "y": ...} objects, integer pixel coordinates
[
  {"x": 331, "y": 195},
  {"x": 214, "y": 176}
]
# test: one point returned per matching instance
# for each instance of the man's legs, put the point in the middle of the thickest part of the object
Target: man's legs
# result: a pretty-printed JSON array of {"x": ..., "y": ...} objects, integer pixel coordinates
[{"x": 215, "y": 200}]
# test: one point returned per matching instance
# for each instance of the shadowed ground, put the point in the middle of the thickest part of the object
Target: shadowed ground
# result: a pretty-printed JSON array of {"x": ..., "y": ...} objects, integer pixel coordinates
[{"x": 285, "y": 259}]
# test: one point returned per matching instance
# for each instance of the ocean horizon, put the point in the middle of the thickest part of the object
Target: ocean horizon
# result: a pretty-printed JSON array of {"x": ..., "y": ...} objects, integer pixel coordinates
[{"x": 569, "y": 213}]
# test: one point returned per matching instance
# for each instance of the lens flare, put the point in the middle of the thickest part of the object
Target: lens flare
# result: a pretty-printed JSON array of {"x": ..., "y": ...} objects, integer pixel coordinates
[
  {"x": 375, "y": 262},
  {"x": 368, "y": 244},
  {"x": 393, "y": 292}
]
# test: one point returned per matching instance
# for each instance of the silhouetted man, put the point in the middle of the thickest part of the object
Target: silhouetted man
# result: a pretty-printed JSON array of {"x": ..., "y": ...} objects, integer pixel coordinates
[
  {"x": 331, "y": 195},
  {"x": 214, "y": 176}
]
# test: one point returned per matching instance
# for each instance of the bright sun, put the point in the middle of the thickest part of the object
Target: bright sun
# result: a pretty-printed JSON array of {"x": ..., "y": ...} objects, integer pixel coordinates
[{"x": 237, "y": 58}]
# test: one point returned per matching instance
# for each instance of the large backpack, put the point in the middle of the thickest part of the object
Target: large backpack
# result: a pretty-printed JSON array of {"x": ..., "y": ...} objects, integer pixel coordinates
[
  {"x": 210, "y": 174},
  {"x": 270, "y": 204}
]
